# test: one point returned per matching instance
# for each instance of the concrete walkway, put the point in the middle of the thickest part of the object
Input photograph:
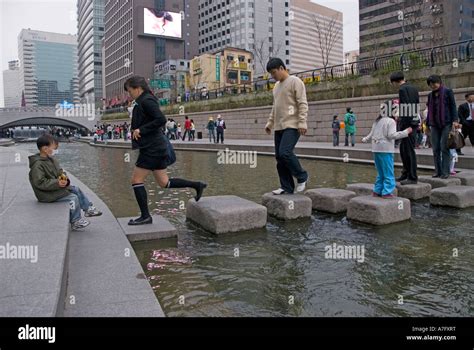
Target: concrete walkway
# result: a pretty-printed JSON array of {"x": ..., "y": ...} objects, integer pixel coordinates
[
  {"x": 361, "y": 153},
  {"x": 77, "y": 274}
]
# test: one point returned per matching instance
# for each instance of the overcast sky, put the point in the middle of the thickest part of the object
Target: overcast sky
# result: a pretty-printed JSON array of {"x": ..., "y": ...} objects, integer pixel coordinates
[{"x": 60, "y": 16}]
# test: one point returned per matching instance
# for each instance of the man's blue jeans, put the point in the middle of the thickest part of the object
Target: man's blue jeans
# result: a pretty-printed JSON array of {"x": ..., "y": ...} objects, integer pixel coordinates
[{"x": 288, "y": 165}]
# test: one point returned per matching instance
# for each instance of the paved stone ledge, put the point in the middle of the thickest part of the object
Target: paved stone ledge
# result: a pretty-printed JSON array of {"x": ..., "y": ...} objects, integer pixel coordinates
[
  {"x": 453, "y": 196},
  {"x": 287, "y": 206},
  {"x": 224, "y": 214},
  {"x": 160, "y": 229},
  {"x": 379, "y": 211},
  {"x": 330, "y": 200}
]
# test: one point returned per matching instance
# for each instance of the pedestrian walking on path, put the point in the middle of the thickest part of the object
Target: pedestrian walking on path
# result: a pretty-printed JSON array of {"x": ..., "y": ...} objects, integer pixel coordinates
[{"x": 350, "y": 120}]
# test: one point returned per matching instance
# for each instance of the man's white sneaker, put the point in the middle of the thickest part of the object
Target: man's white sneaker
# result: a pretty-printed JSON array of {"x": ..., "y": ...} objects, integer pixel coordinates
[
  {"x": 81, "y": 223},
  {"x": 279, "y": 191},
  {"x": 301, "y": 187}
]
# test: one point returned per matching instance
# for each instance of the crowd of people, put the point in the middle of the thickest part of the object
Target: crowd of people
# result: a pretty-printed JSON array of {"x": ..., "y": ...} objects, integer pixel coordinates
[{"x": 106, "y": 132}]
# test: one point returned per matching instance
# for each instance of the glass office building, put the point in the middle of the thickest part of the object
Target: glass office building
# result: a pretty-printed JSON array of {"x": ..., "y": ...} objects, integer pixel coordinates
[{"x": 48, "y": 69}]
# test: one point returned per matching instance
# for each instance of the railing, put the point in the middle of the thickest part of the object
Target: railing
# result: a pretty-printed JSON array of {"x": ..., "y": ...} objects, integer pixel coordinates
[{"x": 461, "y": 51}]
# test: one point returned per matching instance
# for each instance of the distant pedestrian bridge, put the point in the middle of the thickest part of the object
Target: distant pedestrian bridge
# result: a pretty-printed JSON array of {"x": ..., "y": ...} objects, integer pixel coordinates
[{"x": 78, "y": 116}]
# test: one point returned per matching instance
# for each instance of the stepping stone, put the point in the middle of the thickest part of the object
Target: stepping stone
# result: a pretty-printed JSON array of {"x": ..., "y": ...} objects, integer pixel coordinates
[
  {"x": 467, "y": 179},
  {"x": 223, "y": 214},
  {"x": 364, "y": 189},
  {"x": 330, "y": 200},
  {"x": 287, "y": 206},
  {"x": 414, "y": 192},
  {"x": 160, "y": 229},
  {"x": 437, "y": 182},
  {"x": 453, "y": 196},
  {"x": 379, "y": 211}
]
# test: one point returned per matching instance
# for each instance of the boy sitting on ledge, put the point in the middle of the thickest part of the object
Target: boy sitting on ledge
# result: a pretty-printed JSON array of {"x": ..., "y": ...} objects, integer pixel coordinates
[{"x": 50, "y": 183}]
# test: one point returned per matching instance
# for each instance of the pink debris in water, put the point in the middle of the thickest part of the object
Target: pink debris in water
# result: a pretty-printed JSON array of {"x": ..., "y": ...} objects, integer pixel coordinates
[
  {"x": 153, "y": 266},
  {"x": 169, "y": 256}
]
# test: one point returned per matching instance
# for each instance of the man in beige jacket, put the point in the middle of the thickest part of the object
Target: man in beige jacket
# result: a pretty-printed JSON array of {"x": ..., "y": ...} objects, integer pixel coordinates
[{"x": 288, "y": 119}]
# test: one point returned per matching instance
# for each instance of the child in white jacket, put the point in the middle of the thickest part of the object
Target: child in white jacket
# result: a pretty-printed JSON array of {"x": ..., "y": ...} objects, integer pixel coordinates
[{"x": 383, "y": 136}]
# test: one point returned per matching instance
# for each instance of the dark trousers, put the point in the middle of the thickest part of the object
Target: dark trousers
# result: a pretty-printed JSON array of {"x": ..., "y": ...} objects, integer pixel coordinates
[
  {"x": 220, "y": 135},
  {"x": 187, "y": 131},
  {"x": 468, "y": 131},
  {"x": 335, "y": 138},
  {"x": 288, "y": 165},
  {"x": 442, "y": 156},
  {"x": 408, "y": 155}
]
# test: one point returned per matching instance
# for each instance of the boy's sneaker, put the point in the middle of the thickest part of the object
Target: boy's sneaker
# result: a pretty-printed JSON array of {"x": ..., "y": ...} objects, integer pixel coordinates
[
  {"x": 92, "y": 211},
  {"x": 79, "y": 224},
  {"x": 301, "y": 186},
  {"x": 279, "y": 192},
  {"x": 375, "y": 194},
  {"x": 388, "y": 196}
]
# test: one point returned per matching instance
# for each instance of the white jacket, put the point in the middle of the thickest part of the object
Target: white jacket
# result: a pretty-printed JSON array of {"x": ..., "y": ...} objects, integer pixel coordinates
[{"x": 383, "y": 135}]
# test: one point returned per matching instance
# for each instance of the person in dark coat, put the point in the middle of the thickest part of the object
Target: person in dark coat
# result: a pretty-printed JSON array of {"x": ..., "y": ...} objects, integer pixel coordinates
[
  {"x": 442, "y": 116},
  {"x": 466, "y": 117},
  {"x": 408, "y": 118},
  {"x": 148, "y": 137}
]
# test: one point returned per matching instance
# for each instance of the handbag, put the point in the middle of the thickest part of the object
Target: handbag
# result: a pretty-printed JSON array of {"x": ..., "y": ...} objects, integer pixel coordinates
[
  {"x": 455, "y": 139},
  {"x": 170, "y": 154}
]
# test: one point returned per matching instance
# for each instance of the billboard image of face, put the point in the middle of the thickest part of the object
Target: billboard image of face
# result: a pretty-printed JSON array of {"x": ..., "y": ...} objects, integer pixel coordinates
[{"x": 162, "y": 23}]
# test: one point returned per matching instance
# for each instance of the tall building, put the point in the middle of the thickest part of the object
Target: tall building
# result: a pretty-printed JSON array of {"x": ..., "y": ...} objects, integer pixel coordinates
[
  {"x": 90, "y": 31},
  {"x": 388, "y": 26},
  {"x": 260, "y": 27},
  {"x": 267, "y": 28},
  {"x": 142, "y": 33},
  {"x": 11, "y": 85},
  {"x": 316, "y": 36},
  {"x": 48, "y": 67}
]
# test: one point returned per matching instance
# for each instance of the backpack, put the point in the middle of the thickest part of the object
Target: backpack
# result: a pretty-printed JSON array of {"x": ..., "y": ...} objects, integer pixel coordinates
[{"x": 351, "y": 120}]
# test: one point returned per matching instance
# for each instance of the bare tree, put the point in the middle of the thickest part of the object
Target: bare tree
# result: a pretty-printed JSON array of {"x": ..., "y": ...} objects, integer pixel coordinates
[
  {"x": 262, "y": 54},
  {"x": 327, "y": 35}
]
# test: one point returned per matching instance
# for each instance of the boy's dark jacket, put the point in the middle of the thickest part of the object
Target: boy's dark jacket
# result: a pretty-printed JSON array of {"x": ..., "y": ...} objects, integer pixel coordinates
[{"x": 44, "y": 174}]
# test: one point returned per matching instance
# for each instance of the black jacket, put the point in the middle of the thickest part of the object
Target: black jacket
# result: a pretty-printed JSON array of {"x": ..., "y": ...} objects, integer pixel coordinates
[
  {"x": 464, "y": 113},
  {"x": 148, "y": 117},
  {"x": 410, "y": 98}
]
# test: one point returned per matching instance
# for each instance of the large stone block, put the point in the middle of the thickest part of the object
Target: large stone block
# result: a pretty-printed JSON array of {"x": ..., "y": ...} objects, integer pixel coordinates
[
  {"x": 414, "y": 192},
  {"x": 330, "y": 200},
  {"x": 364, "y": 189},
  {"x": 222, "y": 214},
  {"x": 287, "y": 206},
  {"x": 467, "y": 178},
  {"x": 160, "y": 229},
  {"x": 453, "y": 196},
  {"x": 379, "y": 211},
  {"x": 437, "y": 182}
]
